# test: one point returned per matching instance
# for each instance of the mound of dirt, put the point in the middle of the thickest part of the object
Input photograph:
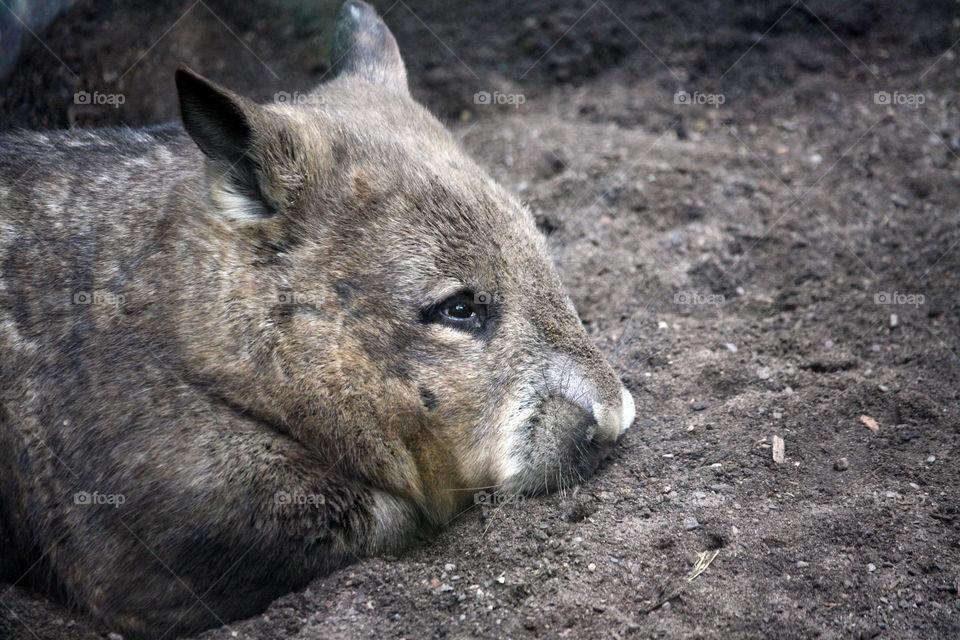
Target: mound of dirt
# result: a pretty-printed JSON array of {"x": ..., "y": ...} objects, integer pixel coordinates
[{"x": 756, "y": 210}]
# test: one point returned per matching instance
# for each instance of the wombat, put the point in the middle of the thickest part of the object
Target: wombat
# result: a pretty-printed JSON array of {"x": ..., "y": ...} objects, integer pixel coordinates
[{"x": 247, "y": 351}]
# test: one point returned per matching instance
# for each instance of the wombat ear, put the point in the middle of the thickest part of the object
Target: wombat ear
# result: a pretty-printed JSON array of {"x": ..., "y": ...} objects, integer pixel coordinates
[
  {"x": 222, "y": 124},
  {"x": 364, "y": 47}
]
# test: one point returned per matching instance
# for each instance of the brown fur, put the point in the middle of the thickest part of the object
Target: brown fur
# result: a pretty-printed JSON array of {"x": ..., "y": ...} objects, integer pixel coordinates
[{"x": 266, "y": 318}]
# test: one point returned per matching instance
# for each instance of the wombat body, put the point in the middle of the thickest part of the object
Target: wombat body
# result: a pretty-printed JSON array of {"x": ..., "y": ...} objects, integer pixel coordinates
[{"x": 240, "y": 353}]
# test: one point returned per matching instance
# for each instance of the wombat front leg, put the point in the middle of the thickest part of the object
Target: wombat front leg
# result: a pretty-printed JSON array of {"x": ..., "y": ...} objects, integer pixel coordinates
[{"x": 218, "y": 539}]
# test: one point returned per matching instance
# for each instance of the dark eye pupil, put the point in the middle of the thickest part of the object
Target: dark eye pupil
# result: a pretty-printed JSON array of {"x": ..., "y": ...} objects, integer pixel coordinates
[{"x": 460, "y": 310}]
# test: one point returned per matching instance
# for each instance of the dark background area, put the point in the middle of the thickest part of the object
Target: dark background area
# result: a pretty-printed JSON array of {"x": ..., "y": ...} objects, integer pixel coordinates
[{"x": 775, "y": 257}]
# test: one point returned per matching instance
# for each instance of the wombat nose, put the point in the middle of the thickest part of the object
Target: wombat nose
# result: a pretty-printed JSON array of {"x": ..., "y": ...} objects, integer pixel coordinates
[
  {"x": 628, "y": 410},
  {"x": 614, "y": 420}
]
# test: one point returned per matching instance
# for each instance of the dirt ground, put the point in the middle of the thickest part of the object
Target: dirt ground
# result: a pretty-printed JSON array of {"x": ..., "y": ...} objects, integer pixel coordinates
[{"x": 772, "y": 255}]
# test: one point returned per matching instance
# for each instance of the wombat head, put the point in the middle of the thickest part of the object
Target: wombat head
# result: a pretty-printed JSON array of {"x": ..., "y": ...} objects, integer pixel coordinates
[{"x": 357, "y": 282}]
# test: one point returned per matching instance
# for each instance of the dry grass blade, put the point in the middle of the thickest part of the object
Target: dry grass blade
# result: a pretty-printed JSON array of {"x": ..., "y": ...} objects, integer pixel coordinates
[{"x": 704, "y": 558}]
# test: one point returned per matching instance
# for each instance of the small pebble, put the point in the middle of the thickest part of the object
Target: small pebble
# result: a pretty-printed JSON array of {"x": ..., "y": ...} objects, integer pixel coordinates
[
  {"x": 592, "y": 567},
  {"x": 801, "y": 564},
  {"x": 699, "y": 495},
  {"x": 842, "y": 464},
  {"x": 690, "y": 524},
  {"x": 932, "y": 459},
  {"x": 871, "y": 567},
  {"x": 449, "y": 567},
  {"x": 699, "y": 406},
  {"x": 763, "y": 373},
  {"x": 732, "y": 348},
  {"x": 446, "y": 587},
  {"x": 894, "y": 320}
]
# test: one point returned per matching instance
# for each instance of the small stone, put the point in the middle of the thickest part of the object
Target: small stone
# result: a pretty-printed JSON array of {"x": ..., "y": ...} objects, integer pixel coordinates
[
  {"x": 842, "y": 464},
  {"x": 699, "y": 406},
  {"x": 778, "y": 449},
  {"x": 592, "y": 566},
  {"x": 737, "y": 506},
  {"x": 802, "y": 565},
  {"x": 871, "y": 567},
  {"x": 894, "y": 320},
  {"x": 446, "y": 587},
  {"x": 449, "y": 567},
  {"x": 699, "y": 495},
  {"x": 732, "y": 348},
  {"x": 113, "y": 635},
  {"x": 667, "y": 489},
  {"x": 932, "y": 459},
  {"x": 764, "y": 373},
  {"x": 690, "y": 524}
]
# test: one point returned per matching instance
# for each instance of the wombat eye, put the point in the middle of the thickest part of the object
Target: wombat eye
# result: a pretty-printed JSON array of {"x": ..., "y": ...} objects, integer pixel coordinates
[{"x": 458, "y": 311}]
